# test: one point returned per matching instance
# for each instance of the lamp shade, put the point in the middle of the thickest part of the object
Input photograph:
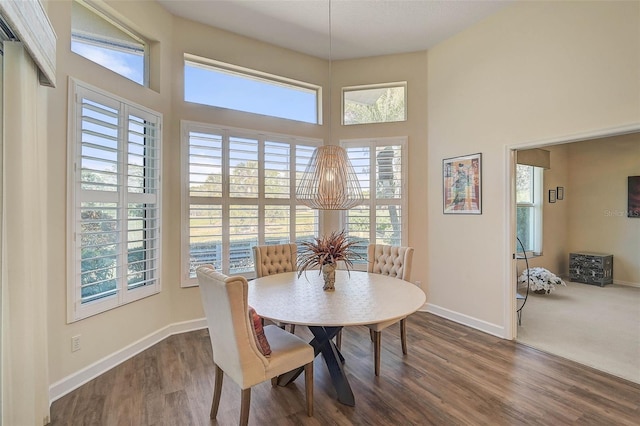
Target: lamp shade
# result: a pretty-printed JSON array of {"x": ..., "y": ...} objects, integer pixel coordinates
[{"x": 329, "y": 181}]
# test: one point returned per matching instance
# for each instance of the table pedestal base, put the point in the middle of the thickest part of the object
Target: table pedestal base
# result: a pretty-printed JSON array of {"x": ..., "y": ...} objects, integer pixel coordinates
[{"x": 323, "y": 343}]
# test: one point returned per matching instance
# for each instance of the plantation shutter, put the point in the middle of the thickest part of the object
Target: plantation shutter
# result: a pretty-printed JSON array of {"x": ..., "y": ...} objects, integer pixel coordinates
[
  {"x": 205, "y": 200},
  {"x": 241, "y": 193},
  {"x": 116, "y": 202},
  {"x": 380, "y": 165}
]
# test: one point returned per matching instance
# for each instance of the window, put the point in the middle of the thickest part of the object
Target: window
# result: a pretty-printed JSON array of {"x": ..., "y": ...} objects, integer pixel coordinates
[
  {"x": 381, "y": 166},
  {"x": 240, "y": 192},
  {"x": 223, "y": 85},
  {"x": 102, "y": 40},
  {"x": 380, "y": 103},
  {"x": 529, "y": 208},
  {"x": 115, "y": 202}
]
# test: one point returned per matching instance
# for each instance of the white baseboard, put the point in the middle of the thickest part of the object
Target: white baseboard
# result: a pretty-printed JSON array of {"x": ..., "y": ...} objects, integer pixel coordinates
[
  {"x": 77, "y": 379},
  {"x": 487, "y": 327}
]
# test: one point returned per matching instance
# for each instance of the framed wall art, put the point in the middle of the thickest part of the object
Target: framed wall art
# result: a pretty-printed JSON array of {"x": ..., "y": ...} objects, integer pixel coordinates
[
  {"x": 633, "y": 197},
  {"x": 552, "y": 195},
  {"x": 462, "y": 184}
]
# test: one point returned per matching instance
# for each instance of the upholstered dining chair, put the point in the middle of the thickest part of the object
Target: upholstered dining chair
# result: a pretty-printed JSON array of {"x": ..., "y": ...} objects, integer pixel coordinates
[
  {"x": 393, "y": 261},
  {"x": 239, "y": 346},
  {"x": 275, "y": 259}
]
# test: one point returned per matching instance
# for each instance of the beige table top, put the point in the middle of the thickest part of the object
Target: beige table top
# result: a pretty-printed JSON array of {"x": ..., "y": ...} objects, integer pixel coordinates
[{"x": 359, "y": 298}]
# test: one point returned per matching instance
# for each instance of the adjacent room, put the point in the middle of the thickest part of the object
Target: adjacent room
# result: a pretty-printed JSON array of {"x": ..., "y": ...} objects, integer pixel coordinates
[
  {"x": 156, "y": 152},
  {"x": 588, "y": 212}
]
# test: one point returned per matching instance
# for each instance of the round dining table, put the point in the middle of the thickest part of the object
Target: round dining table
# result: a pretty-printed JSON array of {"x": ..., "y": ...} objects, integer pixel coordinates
[{"x": 359, "y": 298}]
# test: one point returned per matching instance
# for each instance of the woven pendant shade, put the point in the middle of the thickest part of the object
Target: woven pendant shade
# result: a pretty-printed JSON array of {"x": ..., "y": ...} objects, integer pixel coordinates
[{"x": 329, "y": 181}]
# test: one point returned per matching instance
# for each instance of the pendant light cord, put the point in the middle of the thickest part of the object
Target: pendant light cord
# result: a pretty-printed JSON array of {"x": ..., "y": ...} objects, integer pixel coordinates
[{"x": 330, "y": 76}]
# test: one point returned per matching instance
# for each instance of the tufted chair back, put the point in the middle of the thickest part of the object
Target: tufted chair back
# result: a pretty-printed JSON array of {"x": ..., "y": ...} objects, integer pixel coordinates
[
  {"x": 234, "y": 348},
  {"x": 233, "y": 336},
  {"x": 393, "y": 261},
  {"x": 275, "y": 259}
]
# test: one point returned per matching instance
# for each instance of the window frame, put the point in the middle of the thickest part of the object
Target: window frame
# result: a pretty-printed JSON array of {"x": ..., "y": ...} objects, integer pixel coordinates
[
  {"x": 391, "y": 85},
  {"x": 254, "y": 75},
  {"x": 76, "y": 310},
  {"x": 97, "y": 40},
  {"x": 372, "y": 202},
  {"x": 225, "y": 200},
  {"x": 537, "y": 207}
]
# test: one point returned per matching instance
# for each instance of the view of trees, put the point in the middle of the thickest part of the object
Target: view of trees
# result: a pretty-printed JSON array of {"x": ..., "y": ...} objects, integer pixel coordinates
[
  {"x": 388, "y": 107},
  {"x": 100, "y": 245}
]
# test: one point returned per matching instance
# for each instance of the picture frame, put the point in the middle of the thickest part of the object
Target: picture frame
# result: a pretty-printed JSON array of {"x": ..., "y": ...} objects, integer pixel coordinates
[
  {"x": 633, "y": 196},
  {"x": 462, "y": 184},
  {"x": 552, "y": 196},
  {"x": 560, "y": 193}
]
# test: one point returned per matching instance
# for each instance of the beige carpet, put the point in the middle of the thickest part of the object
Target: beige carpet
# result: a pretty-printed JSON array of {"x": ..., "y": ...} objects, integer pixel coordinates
[{"x": 595, "y": 326}]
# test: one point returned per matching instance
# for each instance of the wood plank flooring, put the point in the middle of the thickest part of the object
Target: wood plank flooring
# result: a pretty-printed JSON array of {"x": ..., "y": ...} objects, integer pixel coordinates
[{"x": 453, "y": 375}]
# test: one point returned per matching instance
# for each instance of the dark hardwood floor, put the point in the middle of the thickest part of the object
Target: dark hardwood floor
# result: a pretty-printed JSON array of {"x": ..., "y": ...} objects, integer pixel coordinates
[{"x": 453, "y": 375}]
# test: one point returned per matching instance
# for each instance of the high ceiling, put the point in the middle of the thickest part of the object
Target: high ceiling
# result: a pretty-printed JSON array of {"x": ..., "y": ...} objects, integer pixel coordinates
[{"x": 358, "y": 28}]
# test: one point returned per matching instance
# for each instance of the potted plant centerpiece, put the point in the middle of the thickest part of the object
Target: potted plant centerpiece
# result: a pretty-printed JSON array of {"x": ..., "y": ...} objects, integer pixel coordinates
[
  {"x": 541, "y": 280},
  {"x": 324, "y": 253}
]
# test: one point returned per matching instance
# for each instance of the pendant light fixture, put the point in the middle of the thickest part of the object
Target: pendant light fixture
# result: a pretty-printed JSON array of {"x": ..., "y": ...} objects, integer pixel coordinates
[{"x": 329, "y": 182}]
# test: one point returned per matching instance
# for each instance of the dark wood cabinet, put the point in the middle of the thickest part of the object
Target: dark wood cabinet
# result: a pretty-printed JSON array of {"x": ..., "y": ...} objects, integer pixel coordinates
[{"x": 591, "y": 268}]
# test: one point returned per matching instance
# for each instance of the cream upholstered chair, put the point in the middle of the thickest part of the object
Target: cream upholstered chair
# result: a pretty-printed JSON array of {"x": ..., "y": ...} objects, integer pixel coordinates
[
  {"x": 395, "y": 262},
  {"x": 275, "y": 259},
  {"x": 235, "y": 350}
]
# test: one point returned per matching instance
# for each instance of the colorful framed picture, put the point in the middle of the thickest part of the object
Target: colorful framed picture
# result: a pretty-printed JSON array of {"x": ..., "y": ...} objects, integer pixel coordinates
[
  {"x": 462, "y": 184},
  {"x": 633, "y": 200}
]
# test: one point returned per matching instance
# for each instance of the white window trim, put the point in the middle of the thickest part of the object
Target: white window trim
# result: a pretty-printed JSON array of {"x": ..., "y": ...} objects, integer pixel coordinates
[
  {"x": 396, "y": 84},
  {"x": 538, "y": 206},
  {"x": 108, "y": 17},
  {"x": 249, "y": 73},
  {"x": 75, "y": 310},
  {"x": 191, "y": 126},
  {"x": 403, "y": 202}
]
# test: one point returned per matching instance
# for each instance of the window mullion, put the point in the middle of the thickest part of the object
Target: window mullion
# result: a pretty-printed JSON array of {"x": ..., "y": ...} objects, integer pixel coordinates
[
  {"x": 293, "y": 151},
  {"x": 226, "y": 182},
  {"x": 373, "y": 192},
  {"x": 261, "y": 191},
  {"x": 123, "y": 113}
]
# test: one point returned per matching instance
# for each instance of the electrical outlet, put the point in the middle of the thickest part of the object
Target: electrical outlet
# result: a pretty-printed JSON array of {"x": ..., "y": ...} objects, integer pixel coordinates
[{"x": 75, "y": 343}]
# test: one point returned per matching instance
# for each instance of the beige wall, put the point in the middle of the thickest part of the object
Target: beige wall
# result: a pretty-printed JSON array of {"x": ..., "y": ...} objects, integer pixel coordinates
[
  {"x": 535, "y": 72},
  {"x": 197, "y": 39},
  {"x": 555, "y": 230},
  {"x": 597, "y": 197},
  {"x": 412, "y": 69},
  {"x": 105, "y": 334}
]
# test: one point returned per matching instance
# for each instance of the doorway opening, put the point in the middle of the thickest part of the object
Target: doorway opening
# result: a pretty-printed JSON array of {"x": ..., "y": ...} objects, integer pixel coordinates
[{"x": 578, "y": 321}]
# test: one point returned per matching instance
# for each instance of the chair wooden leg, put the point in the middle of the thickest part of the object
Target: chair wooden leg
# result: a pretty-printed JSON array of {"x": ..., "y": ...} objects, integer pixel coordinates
[
  {"x": 308, "y": 384},
  {"x": 403, "y": 335},
  {"x": 217, "y": 391},
  {"x": 274, "y": 382},
  {"x": 376, "y": 351},
  {"x": 371, "y": 335},
  {"x": 245, "y": 402},
  {"x": 339, "y": 340},
  {"x": 293, "y": 329}
]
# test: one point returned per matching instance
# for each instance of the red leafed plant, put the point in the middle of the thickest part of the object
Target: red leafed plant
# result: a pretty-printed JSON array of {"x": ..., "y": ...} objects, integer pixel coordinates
[{"x": 327, "y": 250}]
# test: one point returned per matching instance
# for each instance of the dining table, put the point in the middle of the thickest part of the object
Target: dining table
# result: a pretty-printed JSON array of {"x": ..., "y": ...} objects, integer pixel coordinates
[{"x": 359, "y": 298}]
